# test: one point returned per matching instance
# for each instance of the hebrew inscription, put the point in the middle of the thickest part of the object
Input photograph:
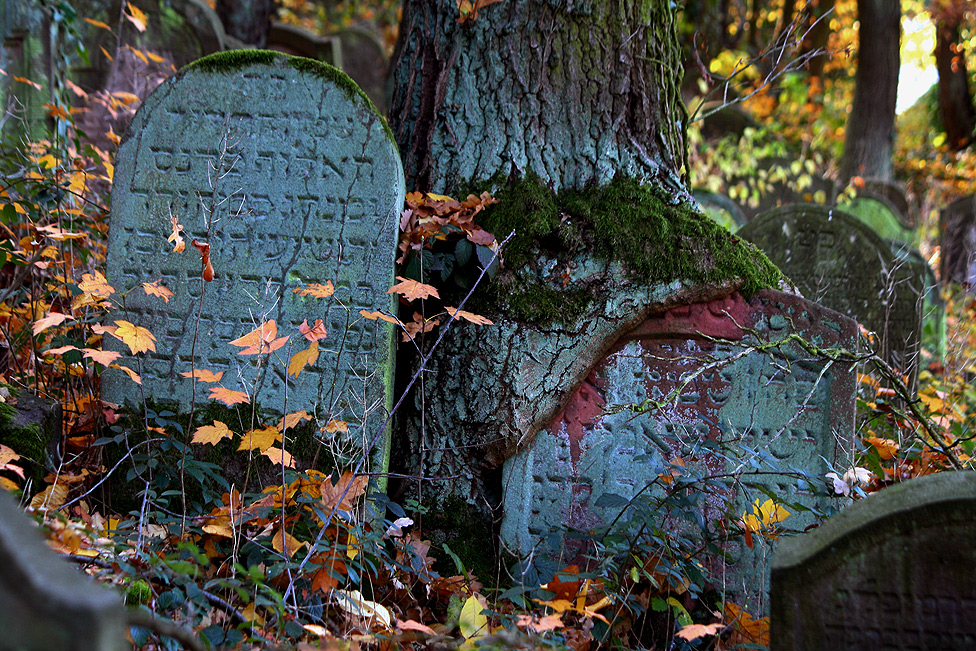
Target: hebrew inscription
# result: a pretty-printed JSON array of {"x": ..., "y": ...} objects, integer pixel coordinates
[
  {"x": 884, "y": 573},
  {"x": 722, "y": 408},
  {"x": 292, "y": 180}
]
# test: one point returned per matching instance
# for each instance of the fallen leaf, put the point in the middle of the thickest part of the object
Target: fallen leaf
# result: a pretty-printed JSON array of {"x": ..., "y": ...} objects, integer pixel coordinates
[
  {"x": 536, "y": 625},
  {"x": 212, "y": 434},
  {"x": 332, "y": 494},
  {"x": 228, "y": 396},
  {"x": 260, "y": 340},
  {"x": 695, "y": 631},
  {"x": 411, "y": 625},
  {"x": 352, "y": 602},
  {"x": 52, "y": 319},
  {"x": 303, "y": 358},
  {"x": 137, "y": 338},
  {"x": 412, "y": 290},
  {"x": 203, "y": 375},
  {"x": 473, "y": 622},
  {"x": 316, "y": 290}
]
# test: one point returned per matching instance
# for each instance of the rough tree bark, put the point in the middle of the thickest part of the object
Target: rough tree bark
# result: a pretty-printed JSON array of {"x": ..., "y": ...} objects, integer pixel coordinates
[
  {"x": 570, "y": 94},
  {"x": 575, "y": 91},
  {"x": 955, "y": 97},
  {"x": 870, "y": 134}
]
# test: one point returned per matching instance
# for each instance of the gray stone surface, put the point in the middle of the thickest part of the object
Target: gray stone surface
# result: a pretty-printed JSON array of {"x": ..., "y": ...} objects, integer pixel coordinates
[
  {"x": 44, "y": 603},
  {"x": 957, "y": 239},
  {"x": 297, "y": 41},
  {"x": 838, "y": 261},
  {"x": 319, "y": 184},
  {"x": 896, "y": 570},
  {"x": 765, "y": 417}
]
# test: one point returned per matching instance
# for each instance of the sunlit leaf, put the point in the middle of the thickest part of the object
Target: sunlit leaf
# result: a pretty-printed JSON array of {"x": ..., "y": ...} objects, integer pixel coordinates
[
  {"x": 52, "y": 319},
  {"x": 97, "y": 23},
  {"x": 473, "y": 622},
  {"x": 412, "y": 290},
  {"x": 96, "y": 284},
  {"x": 293, "y": 419},
  {"x": 156, "y": 288},
  {"x": 303, "y": 358},
  {"x": 137, "y": 338},
  {"x": 411, "y": 625},
  {"x": 260, "y": 340},
  {"x": 203, "y": 375},
  {"x": 313, "y": 333},
  {"x": 332, "y": 494},
  {"x": 103, "y": 357},
  {"x": 352, "y": 602},
  {"x": 279, "y": 457},
  {"x": 468, "y": 316},
  {"x": 212, "y": 434},
  {"x": 695, "y": 631},
  {"x": 136, "y": 17},
  {"x": 228, "y": 396},
  {"x": 260, "y": 439},
  {"x": 316, "y": 290},
  {"x": 373, "y": 316}
]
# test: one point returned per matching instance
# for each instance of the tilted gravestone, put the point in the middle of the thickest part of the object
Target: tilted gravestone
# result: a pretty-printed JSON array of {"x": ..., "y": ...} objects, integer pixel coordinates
[
  {"x": 838, "y": 261},
  {"x": 46, "y": 604},
  {"x": 957, "y": 240},
  {"x": 895, "y": 570},
  {"x": 284, "y": 167},
  {"x": 880, "y": 215},
  {"x": 768, "y": 417}
]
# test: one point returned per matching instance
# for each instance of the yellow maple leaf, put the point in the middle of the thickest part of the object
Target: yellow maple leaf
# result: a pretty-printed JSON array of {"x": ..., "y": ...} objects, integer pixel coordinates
[
  {"x": 473, "y": 622},
  {"x": 260, "y": 439},
  {"x": 764, "y": 515},
  {"x": 137, "y": 338},
  {"x": 285, "y": 543},
  {"x": 293, "y": 419},
  {"x": 212, "y": 434},
  {"x": 316, "y": 290},
  {"x": 412, "y": 290},
  {"x": 303, "y": 358},
  {"x": 279, "y": 456},
  {"x": 336, "y": 426}
]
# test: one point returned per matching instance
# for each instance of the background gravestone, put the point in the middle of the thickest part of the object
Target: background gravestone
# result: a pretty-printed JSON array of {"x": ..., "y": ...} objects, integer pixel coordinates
[
  {"x": 880, "y": 215},
  {"x": 748, "y": 406},
  {"x": 298, "y": 41},
  {"x": 321, "y": 185},
  {"x": 45, "y": 603},
  {"x": 838, "y": 261},
  {"x": 957, "y": 240},
  {"x": 892, "y": 571}
]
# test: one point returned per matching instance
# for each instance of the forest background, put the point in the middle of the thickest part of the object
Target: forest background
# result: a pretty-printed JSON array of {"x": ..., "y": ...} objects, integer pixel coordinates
[{"x": 788, "y": 73}]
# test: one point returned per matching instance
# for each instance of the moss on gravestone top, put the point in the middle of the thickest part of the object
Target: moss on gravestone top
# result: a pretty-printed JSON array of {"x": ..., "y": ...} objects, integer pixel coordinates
[
  {"x": 624, "y": 221},
  {"x": 233, "y": 60}
]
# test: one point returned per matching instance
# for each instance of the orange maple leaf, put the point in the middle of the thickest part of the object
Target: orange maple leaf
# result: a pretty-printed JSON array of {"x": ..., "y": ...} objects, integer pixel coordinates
[
  {"x": 52, "y": 319},
  {"x": 203, "y": 375},
  {"x": 103, "y": 357},
  {"x": 412, "y": 290},
  {"x": 303, "y": 358},
  {"x": 228, "y": 396},
  {"x": 212, "y": 434},
  {"x": 332, "y": 494},
  {"x": 279, "y": 456},
  {"x": 96, "y": 284},
  {"x": 373, "y": 316},
  {"x": 313, "y": 333},
  {"x": 260, "y": 340},
  {"x": 158, "y": 289},
  {"x": 136, "y": 17},
  {"x": 316, "y": 290},
  {"x": 137, "y": 338},
  {"x": 468, "y": 316}
]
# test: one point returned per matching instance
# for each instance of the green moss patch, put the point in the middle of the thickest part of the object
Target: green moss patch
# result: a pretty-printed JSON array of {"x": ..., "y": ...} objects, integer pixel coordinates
[{"x": 624, "y": 221}]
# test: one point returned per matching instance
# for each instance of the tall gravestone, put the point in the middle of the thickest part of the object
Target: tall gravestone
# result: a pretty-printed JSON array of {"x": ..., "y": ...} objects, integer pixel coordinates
[
  {"x": 957, "y": 240},
  {"x": 895, "y": 570},
  {"x": 769, "y": 415},
  {"x": 838, "y": 261},
  {"x": 284, "y": 167}
]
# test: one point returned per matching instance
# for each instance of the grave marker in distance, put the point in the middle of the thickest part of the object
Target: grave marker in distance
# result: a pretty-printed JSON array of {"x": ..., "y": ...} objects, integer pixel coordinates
[
  {"x": 837, "y": 261},
  {"x": 285, "y": 168},
  {"x": 892, "y": 571}
]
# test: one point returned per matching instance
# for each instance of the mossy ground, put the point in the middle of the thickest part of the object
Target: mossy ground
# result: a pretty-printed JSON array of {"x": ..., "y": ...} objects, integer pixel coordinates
[{"x": 656, "y": 241}]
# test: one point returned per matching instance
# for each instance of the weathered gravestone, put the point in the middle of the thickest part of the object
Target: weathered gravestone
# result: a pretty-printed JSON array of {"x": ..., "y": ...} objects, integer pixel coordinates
[
  {"x": 957, "y": 239},
  {"x": 893, "y": 194},
  {"x": 880, "y": 215},
  {"x": 893, "y": 571},
  {"x": 297, "y": 41},
  {"x": 46, "y": 604},
  {"x": 307, "y": 191},
  {"x": 838, "y": 261},
  {"x": 748, "y": 418}
]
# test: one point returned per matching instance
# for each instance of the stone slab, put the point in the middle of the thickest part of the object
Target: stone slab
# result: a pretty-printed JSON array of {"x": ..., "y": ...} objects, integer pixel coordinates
[
  {"x": 838, "y": 261},
  {"x": 318, "y": 183},
  {"x": 957, "y": 240},
  {"x": 747, "y": 405},
  {"x": 45, "y": 603},
  {"x": 896, "y": 570}
]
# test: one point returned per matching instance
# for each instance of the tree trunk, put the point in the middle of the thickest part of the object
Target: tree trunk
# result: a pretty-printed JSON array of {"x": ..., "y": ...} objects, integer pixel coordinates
[
  {"x": 249, "y": 21},
  {"x": 870, "y": 134},
  {"x": 955, "y": 98},
  {"x": 573, "y": 91}
]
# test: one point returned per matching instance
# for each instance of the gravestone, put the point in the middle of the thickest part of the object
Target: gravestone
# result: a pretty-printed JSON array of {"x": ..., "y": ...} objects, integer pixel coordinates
[
  {"x": 893, "y": 194},
  {"x": 297, "y": 41},
  {"x": 892, "y": 571},
  {"x": 957, "y": 240},
  {"x": 46, "y": 604},
  {"x": 364, "y": 59},
  {"x": 786, "y": 406},
  {"x": 836, "y": 260},
  {"x": 308, "y": 190},
  {"x": 880, "y": 215},
  {"x": 721, "y": 209}
]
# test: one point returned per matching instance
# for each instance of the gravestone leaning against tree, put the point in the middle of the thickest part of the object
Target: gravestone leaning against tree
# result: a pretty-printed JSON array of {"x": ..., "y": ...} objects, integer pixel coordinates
[
  {"x": 570, "y": 114},
  {"x": 284, "y": 168}
]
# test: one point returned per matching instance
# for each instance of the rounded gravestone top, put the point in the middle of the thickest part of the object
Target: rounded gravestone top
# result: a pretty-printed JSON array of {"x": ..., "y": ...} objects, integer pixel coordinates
[{"x": 286, "y": 169}]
